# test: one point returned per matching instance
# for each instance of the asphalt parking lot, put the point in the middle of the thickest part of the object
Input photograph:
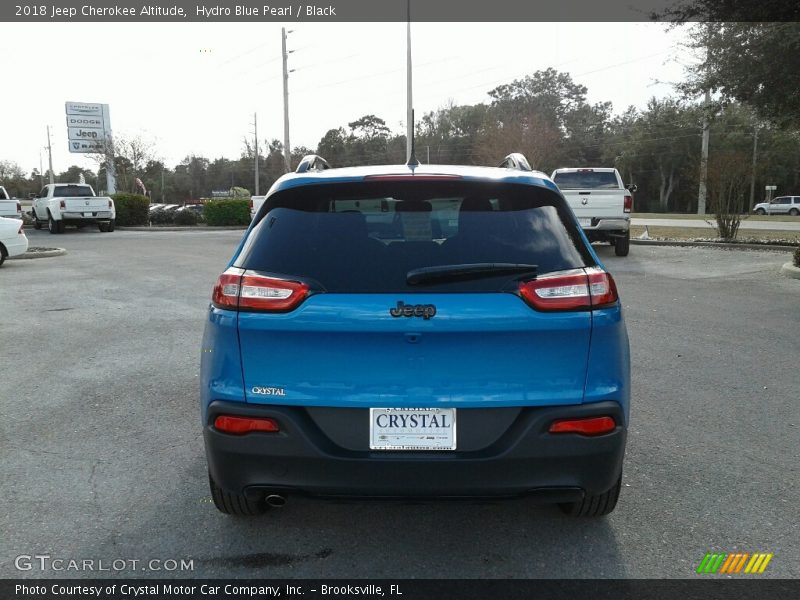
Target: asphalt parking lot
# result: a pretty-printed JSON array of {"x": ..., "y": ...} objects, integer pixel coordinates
[{"x": 102, "y": 454}]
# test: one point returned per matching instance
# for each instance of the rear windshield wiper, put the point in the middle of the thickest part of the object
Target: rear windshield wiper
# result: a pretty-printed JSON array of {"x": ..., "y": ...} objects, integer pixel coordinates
[{"x": 466, "y": 271}]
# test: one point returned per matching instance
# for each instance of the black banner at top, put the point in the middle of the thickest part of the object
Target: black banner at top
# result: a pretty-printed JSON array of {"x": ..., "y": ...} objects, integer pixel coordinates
[{"x": 343, "y": 11}]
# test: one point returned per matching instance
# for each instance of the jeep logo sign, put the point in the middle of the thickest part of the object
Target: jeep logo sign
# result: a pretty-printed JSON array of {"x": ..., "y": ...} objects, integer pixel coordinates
[{"x": 426, "y": 311}]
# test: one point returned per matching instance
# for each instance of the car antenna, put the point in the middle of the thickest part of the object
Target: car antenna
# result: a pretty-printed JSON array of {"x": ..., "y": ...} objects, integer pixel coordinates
[{"x": 411, "y": 157}]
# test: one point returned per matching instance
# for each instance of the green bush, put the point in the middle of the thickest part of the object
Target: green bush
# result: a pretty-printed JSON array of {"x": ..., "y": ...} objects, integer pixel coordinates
[
  {"x": 186, "y": 217},
  {"x": 227, "y": 212},
  {"x": 132, "y": 209},
  {"x": 162, "y": 217}
]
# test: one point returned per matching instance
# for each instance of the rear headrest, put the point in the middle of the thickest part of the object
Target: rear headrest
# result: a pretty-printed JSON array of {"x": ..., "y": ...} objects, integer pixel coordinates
[
  {"x": 411, "y": 206},
  {"x": 475, "y": 204}
]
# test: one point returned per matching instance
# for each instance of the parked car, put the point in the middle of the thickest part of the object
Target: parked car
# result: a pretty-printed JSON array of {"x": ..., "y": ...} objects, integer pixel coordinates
[
  {"x": 601, "y": 203},
  {"x": 782, "y": 205},
  {"x": 12, "y": 238},
  {"x": 9, "y": 207},
  {"x": 255, "y": 204},
  {"x": 396, "y": 331}
]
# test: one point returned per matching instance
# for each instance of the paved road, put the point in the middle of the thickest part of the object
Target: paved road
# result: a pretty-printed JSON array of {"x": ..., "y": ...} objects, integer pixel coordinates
[
  {"x": 102, "y": 455},
  {"x": 746, "y": 224}
]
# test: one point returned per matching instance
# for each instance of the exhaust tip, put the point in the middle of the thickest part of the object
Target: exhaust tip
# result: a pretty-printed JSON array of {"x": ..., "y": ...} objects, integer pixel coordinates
[{"x": 276, "y": 500}]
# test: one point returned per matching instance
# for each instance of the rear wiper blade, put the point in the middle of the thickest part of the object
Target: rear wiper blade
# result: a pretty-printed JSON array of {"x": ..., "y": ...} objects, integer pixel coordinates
[{"x": 467, "y": 271}]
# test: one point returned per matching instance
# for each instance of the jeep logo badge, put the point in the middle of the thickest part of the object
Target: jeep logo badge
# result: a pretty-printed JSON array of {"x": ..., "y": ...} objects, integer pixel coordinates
[
  {"x": 426, "y": 311},
  {"x": 584, "y": 201}
]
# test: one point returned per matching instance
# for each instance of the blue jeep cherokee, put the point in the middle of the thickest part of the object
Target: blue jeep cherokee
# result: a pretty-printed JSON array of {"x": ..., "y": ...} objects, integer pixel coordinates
[{"x": 415, "y": 331}]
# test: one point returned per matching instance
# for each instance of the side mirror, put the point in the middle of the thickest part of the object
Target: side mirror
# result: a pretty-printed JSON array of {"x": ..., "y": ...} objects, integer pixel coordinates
[{"x": 632, "y": 187}]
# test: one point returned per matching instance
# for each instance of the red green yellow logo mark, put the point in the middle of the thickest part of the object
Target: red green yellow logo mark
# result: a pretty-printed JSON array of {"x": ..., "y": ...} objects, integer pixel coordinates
[{"x": 741, "y": 562}]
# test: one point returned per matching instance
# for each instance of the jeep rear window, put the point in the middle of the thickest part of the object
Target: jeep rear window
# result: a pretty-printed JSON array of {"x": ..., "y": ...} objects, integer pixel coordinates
[
  {"x": 586, "y": 180},
  {"x": 364, "y": 237}
]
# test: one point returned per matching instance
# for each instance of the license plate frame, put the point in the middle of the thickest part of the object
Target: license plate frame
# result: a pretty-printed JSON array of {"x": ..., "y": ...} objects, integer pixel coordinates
[{"x": 410, "y": 439}]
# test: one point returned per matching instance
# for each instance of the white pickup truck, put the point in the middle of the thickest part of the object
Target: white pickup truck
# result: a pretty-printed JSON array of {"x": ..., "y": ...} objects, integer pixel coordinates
[
  {"x": 9, "y": 207},
  {"x": 601, "y": 203},
  {"x": 61, "y": 204}
]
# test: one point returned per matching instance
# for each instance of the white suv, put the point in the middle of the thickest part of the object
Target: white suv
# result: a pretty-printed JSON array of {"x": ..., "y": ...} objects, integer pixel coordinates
[{"x": 782, "y": 205}]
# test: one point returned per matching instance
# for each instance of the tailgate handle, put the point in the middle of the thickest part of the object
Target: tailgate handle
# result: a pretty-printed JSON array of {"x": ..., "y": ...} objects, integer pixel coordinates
[{"x": 584, "y": 193}]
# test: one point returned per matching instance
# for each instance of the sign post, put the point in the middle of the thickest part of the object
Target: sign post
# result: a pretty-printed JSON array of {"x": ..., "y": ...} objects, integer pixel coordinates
[
  {"x": 770, "y": 189},
  {"x": 89, "y": 132}
]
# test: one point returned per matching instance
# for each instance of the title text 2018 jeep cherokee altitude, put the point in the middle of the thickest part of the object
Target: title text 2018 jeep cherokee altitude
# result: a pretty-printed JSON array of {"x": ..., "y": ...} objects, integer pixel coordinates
[{"x": 425, "y": 331}]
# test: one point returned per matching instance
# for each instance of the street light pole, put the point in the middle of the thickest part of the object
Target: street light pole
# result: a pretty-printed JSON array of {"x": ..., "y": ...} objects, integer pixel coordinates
[
  {"x": 50, "y": 156},
  {"x": 255, "y": 135}
]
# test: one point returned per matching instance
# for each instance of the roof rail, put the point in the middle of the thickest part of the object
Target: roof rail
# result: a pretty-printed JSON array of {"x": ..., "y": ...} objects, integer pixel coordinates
[
  {"x": 516, "y": 160},
  {"x": 312, "y": 162}
]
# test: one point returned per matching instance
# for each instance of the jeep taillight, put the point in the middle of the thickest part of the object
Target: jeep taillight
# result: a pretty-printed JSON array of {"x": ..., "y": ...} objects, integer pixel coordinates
[
  {"x": 20, "y": 229},
  {"x": 109, "y": 204},
  {"x": 62, "y": 204},
  {"x": 628, "y": 205},
  {"x": 585, "y": 290},
  {"x": 19, "y": 207},
  {"x": 242, "y": 290}
]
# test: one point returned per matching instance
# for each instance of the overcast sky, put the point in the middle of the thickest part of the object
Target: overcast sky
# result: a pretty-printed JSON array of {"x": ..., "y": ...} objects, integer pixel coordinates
[{"x": 193, "y": 88}]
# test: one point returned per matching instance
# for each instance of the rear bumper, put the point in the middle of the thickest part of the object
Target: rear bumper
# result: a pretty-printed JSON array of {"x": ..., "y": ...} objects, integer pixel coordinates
[
  {"x": 80, "y": 218},
  {"x": 524, "y": 460},
  {"x": 17, "y": 246},
  {"x": 601, "y": 224}
]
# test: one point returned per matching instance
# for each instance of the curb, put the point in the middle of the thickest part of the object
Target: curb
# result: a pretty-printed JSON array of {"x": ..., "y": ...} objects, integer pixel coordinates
[
  {"x": 45, "y": 254},
  {"x": 714, "y": 245},
  {"x": 789, "y": 270}
]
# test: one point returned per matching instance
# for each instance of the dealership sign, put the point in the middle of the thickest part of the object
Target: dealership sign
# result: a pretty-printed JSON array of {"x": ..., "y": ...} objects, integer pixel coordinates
[{"x": 88, "y": 127}]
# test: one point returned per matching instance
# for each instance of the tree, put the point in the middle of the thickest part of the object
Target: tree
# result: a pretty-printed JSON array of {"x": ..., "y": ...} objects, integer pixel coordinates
[{"x": 753, "y": 63}]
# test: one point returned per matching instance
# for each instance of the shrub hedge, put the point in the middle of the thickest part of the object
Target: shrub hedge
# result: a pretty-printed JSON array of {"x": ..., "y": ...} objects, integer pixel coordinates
[
  {"x": 132, "y": 209},
  {"x": 227, "y": 212},
  {"x": 797, "y": 258},
  {"x": 161, "y": 217},
  {"x": 186, "y": 217}
]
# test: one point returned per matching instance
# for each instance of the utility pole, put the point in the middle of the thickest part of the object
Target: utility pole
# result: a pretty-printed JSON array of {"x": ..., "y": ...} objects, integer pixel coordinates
[
  {"x": 41, "y": 171},
  {"x": 162, "y": 185},
  {"x": 703, "y": 189},
  {"x": 753, "y": 171},
  {"x": 255, "y": 135},
  {"x": 701, "y": 195},
  {"x": 287, "y": 155},
  {"x": 50, "y": 155}
]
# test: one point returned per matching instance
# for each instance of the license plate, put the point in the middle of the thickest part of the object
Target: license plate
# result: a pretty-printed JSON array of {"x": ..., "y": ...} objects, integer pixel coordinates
[
  {"x": 87, "y": 214},
  {"x": 412, "y": 428},
  {"x": 585, "y": 222}
]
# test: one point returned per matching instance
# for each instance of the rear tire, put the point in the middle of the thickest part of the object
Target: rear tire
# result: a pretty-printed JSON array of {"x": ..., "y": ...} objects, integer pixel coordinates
[
  {"x": 111, "y": 225},
  {"x": 37, "y": 224},
  {"x": 55, "y": 226},
  {"x": 622, "y": 244},
  {"x": 231, "y": 503},
  {"x": 594, "y": 506},
  {"x": 794, "y": 212},
  {"x": 760, "y": 211},
  {"x": 2, "y": 255},
  {"x": 103, "y": 227}
]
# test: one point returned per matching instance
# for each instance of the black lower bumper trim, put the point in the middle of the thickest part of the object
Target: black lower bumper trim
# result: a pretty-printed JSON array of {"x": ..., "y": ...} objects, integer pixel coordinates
[{"x": 526, "y": 460}]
